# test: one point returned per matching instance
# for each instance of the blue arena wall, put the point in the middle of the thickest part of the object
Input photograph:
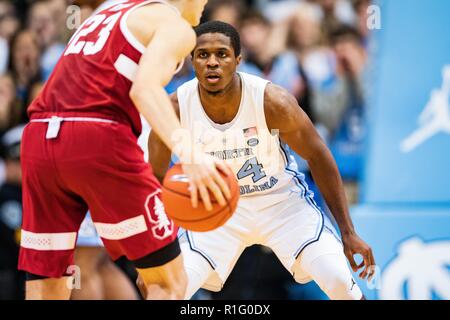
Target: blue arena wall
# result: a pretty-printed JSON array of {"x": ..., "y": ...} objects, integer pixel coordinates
[{"x": 404, "y": 212}]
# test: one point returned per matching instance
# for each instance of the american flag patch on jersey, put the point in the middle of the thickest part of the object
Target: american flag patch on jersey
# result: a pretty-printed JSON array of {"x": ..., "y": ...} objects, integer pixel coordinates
[{"x": 249, "y": 132}]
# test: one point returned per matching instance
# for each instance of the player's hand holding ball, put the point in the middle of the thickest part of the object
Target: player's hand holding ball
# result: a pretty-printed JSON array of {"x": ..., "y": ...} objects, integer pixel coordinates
[{"x": 200, "y": 176}]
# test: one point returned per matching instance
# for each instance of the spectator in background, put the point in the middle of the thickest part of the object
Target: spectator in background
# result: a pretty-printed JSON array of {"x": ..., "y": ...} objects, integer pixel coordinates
[
  {"x": 9, "y": 24},
  {"x": 305, "y": 40},
  {"x": 336, "y": 13},
  {"x": 9, "y": 111},
  {"x": 262, "y": 60},
  {"x": 351, "y": 59},
  {"x": 43, "y": 23},
  {"x": 229, "y": 11},
  {"x": 58, "y": 9},
  {"x": 360, "y": 7},
  {"x": 278, "y": 10},
  {"x": 25, "y": 64},
  {"x": 12, "y": 281},
  {"x": 342, "y": 109}
]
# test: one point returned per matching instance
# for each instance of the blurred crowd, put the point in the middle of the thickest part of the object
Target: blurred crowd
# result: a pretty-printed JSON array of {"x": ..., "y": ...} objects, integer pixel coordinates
[{"x": 316, "y": 49}]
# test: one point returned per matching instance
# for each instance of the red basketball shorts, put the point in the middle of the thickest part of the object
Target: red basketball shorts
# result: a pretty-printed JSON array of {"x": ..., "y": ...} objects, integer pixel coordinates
[{"x": 91, "y": 165}]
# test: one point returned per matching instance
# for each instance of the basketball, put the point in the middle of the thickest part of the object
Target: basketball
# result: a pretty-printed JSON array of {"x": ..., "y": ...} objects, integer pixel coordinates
[{"x": 177, "y": 202}]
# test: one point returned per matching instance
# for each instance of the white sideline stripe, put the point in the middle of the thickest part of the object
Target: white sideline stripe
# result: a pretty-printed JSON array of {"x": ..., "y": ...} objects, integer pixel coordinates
[
  {"x": 122, "y": 230},
  {"x": 48, "y": 241},
  {"x": 126, "y": 67}
]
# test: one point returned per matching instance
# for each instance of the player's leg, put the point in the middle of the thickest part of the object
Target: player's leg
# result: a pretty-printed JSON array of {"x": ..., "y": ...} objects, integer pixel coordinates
[
  {"x": 100, "y": 279},
  {"x": 88, "y": 256},
  {"x": 48, "y": 288},
  {"x": 297, "y": 232},
  {"x": 88, "y": 259},
  {"x": 209, "y": 257},
  {"x": 198, "y": 268},
  {"x": 146, "y": 236},
  {"x": 116, "y": 283},
  {"x": 165, "y": 282},
  {"x": 126, "y": 207},
  {"x": 324, "y": 262},
  {"x": 51, "y": 219}
]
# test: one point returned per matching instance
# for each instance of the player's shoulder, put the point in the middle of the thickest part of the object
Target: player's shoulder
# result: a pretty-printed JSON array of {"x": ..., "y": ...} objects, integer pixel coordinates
[
  {"x": 275, "y": 95},
  {"x": 279, "y": 105},
  {"x": 252, "y": 80},
  {"x": 158, "y": 10},
  {"x": 145, "y": 19}
]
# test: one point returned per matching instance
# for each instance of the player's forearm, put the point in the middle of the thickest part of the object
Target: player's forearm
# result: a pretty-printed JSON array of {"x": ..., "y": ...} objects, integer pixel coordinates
[
  {"x": 326, "y": 175},
  {"x": 159, "y": 156},
  {"x": 154, "y": 104}
]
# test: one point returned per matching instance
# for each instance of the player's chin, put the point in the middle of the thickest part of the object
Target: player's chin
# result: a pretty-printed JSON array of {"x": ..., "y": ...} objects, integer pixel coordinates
[{"x": 214, "y": 89}]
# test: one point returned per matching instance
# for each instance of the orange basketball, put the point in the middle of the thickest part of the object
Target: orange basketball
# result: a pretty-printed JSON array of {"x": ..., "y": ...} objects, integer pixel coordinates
[{"x": 177, "y": 202}]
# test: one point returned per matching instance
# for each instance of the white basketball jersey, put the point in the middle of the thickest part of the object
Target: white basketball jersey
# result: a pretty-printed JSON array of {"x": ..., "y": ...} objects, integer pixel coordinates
[{"x": 259, "y": 160}]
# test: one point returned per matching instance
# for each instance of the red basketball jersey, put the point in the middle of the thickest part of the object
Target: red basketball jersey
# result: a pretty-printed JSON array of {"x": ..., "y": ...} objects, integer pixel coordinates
[{"x": 95, "y": 73}]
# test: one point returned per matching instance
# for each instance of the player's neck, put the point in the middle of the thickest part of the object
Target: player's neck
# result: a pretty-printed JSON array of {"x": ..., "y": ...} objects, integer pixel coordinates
[{"x": 222, "y": 107}]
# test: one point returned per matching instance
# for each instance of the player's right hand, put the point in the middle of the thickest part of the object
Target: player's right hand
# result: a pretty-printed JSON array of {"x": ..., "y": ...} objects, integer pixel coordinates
[{"x": 203, "y": 173}]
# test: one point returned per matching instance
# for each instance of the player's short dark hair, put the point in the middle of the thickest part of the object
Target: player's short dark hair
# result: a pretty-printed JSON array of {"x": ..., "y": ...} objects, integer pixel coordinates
[{"x": 223, "y": 28}]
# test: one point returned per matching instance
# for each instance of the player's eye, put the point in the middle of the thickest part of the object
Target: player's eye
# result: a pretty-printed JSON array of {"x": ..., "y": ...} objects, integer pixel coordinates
[
  {"x": 202, "y": 55},
  {"x": 222, "y": 54}
]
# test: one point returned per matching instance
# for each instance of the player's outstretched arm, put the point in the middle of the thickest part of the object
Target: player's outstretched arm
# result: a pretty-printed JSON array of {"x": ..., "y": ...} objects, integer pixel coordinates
[
  {"x": 169, "y": 39},
  {"x": 170, "y": 42},
  {"x": 295, "y": 128}
]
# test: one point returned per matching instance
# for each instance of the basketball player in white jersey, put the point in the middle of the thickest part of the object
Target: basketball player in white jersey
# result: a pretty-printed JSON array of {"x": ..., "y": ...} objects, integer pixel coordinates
[{"x": 233, "y": 116}]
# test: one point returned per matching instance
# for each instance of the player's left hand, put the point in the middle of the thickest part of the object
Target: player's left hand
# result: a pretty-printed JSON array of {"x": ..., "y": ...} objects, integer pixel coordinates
[{"x": 353, "y": 244}]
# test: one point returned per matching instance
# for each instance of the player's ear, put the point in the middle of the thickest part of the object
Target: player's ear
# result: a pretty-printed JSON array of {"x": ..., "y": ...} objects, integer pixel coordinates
[{"x": 239, "y": 59}]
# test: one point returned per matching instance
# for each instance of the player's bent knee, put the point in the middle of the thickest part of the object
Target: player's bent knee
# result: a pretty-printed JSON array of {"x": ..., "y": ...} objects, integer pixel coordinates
[
  {"x": 334, "y": 277},
  {"x": 339, "y": 287}
]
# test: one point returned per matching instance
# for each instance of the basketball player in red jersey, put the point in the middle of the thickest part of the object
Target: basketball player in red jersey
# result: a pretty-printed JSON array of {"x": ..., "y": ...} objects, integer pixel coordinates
[{"x": 80, "y": 149}]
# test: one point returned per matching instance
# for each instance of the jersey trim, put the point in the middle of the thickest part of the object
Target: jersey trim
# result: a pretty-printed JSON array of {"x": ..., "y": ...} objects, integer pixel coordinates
[
  {"x": 189, "y": 236},
  {"x": 309, "y": 199},
  {"x": 108, "y": 5},
  {"x": 123, "y": 229},
  {"x": 307, "y": 243},
  {"x": 126, "y": 67},
  {"x": 48, "y": 241}
]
